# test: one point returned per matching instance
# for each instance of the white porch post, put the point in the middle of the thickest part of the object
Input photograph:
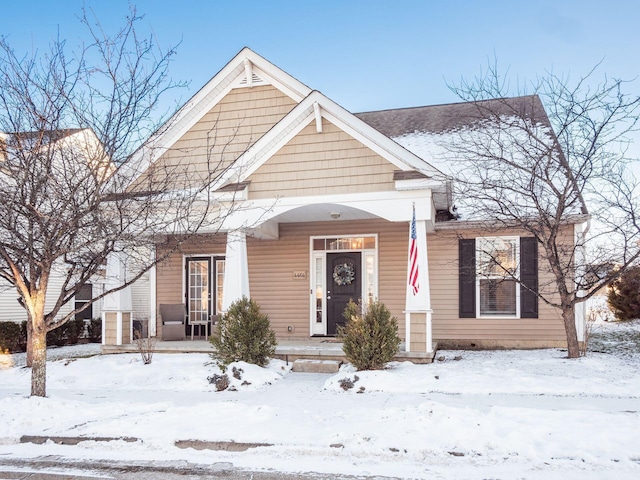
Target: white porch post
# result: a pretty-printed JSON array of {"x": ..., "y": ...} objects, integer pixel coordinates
[
  {"x": 419, "y": 302},
  {"x": 118, "y": 302},
  {"x": 236, "y": 269},
  {"x": 580, "y": 309},
  {"x": 152, "y": 298}
]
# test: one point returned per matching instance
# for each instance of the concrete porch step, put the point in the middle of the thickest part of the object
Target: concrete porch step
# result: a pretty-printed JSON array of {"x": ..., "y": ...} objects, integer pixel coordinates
[{"x": 316, "y": 366}]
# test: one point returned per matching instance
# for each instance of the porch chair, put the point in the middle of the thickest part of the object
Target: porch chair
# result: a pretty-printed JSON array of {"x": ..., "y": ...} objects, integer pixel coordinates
[{"x": 173, "y": 321}]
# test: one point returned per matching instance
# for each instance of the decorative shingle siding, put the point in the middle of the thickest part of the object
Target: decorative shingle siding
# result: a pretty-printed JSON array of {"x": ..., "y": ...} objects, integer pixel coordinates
[
  {"x": 224, "y": 133},
  {"x": 313, "y": 163}
]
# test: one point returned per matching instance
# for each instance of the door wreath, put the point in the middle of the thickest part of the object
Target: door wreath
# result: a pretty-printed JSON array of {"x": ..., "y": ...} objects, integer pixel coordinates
[{"x": 343, "y": 274}]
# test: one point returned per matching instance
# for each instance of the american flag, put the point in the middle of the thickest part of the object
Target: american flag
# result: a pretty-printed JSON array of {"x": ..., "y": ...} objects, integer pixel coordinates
[{"x": 413, "y": 256}]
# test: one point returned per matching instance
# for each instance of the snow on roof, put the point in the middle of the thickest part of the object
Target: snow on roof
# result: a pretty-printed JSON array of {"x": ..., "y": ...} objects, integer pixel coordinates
[{"x": 450, "y": 137}]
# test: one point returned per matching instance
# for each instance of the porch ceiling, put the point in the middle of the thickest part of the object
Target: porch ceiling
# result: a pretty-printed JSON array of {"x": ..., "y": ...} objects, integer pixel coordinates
[{"x": 322, "y": 212}]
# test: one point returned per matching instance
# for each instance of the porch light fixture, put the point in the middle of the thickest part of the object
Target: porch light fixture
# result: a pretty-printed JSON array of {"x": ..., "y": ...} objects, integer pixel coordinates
[{"x": 335, "y": 215}]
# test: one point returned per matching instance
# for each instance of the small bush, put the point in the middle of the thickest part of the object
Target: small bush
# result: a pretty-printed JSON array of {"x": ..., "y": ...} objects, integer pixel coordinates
[
  {"x": 146, "y": 346},
  {"x": 74, "y": 330},
  {"x": 243, "y": 334},
  {"x": 237, "y": 373},
  {"x": 9, "y": 336},
  {"x": 624, "y": 295},
  {"x": 370, "y": 338},
  {"x": 220, "y": 381},
  {"x": 23, "y": 336},
  {"x": 94, "y": 330},
  {"x": 57, "y": 336},
  {"x": 66, "y": 334},
  {"x": 347, "y": 383}
]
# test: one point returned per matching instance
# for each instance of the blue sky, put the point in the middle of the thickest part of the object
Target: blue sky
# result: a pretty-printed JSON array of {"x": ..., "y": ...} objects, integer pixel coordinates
[{"x": 365, "y": 55}]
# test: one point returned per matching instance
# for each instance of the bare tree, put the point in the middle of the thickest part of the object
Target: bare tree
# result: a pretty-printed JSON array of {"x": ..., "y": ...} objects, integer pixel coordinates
[
  {"x": 74, "y": 188},
  {"x": 539, "y": 171}
]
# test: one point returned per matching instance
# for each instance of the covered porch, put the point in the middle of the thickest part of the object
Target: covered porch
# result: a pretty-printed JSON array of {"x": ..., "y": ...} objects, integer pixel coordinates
[{"x": 301, "y": 261}]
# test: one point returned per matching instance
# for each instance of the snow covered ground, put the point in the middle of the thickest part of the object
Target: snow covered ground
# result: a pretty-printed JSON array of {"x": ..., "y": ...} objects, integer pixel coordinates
[{"x": 485, "y": 415}]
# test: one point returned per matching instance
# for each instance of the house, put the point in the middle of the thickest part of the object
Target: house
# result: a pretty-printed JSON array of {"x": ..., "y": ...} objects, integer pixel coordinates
[
  {"x": 324, "y": 205},
  {"x": 10, "y": 308},
  {"x": 52, "y": 149}
]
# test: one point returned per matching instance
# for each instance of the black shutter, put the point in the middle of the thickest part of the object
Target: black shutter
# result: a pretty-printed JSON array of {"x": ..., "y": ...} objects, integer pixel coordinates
[
  {"x": 528, "y": 277},
  {"x": 467, "y": 277}
]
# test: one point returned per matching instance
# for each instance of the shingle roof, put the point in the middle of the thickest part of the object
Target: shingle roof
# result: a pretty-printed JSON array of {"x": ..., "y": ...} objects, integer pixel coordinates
[
  {"x": 50, "y": 135},
  {"x": 441, "y": 118}
]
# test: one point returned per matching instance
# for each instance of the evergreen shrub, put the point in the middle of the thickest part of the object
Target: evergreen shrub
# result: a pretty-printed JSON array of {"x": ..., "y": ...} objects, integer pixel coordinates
[
  {"x": 94, "y": 330},
  {"x": 624, "y": 295},
  {"x": 74, "y": 330},
  {"x": 57, "y": 336},
  {"x": 9, "y": 337},
  {"x": 244, "y": 334},
  {"x": 370, "y": 336}
]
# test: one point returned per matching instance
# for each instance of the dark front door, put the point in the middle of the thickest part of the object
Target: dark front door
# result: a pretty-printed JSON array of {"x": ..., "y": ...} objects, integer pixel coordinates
[{"x": 343, "y": 284}]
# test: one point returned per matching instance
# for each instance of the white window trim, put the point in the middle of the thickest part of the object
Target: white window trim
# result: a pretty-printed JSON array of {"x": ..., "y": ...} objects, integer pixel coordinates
[
  {"x": 313, "y": 254},
  {"x": 517, "y": 276}
]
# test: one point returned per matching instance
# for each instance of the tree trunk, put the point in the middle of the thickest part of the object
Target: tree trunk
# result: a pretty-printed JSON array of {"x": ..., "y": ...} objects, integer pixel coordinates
[
  {"x": 29, "y": 344},
  {"x": 568, "y": 316},
  {"x": 39, "y": 362}
]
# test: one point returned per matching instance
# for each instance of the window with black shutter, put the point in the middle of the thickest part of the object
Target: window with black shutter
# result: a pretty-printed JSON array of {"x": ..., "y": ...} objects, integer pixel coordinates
[
  {"x": 498, "y": 277},
  {"x": 528, "y": 277},
  {"x": 467, "y": 277}
]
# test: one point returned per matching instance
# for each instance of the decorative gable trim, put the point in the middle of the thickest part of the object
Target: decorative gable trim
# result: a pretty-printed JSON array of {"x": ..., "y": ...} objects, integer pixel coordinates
[
  {"x": 313, "y": 108},
  {"x": 246, "y": 69}
]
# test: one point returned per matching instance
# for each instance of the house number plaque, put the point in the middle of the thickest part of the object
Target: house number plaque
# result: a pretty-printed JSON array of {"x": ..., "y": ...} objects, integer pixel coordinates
[{"x": 299, "y": 275}]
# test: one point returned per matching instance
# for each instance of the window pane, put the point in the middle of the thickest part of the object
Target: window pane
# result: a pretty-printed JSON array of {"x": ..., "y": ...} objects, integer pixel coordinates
[
  {"x": 85, "y": 292},
  {"x": 497, "y": 256},
  {"x": 369, "y": 278},
  {"x": 219, "y": 284},
  {"x": 319, "y": 276},
  {"x": 497, "y": 297},
  {"x": 369, "y": 242}
]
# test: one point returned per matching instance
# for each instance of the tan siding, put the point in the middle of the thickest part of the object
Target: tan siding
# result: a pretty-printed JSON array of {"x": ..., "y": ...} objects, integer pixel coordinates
[
  {"x": 170, "y": 274},
  {"x": 443, "y": 272},
  {"x": 271, "y": 264},
  {"x": 418, "y": 332},
  {"x": 233, "y": 125},
  {"x": 324, "y": 163},
  {"x": 286, "y": 300},
  {"x": 110, "y": 328},
  {"x": 126, "y": 328}
]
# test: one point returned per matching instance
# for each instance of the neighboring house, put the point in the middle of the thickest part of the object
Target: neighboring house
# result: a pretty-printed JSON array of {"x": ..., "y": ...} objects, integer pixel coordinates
[
  {"x": 325, "y": 200},
  {"x": 10, "y": 308}
]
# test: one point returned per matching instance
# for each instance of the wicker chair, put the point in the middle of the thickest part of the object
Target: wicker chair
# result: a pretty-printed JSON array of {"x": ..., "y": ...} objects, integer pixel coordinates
[{"x": 173, "y": 321}]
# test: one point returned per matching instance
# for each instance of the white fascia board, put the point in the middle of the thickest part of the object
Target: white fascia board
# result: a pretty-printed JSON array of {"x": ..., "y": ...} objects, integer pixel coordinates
[
  {"x": 209, "y": 95},
  {"x": 281, "y": 79},
  {"x": 237, "y": 196},
  {"x": 418, "y": 184},
  {"x": 185, "y": 118},
  {"x": 392, "y": 206}
]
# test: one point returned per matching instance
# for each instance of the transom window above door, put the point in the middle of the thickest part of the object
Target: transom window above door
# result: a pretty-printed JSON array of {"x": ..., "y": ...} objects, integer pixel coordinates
[{"x": 344, "y": 243}]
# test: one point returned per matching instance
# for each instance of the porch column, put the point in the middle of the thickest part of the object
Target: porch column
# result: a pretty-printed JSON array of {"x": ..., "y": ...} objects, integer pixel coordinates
[
  {"x": 580, "y": 309},
  {"x": 236, "y": 269},
  {"x": 152, "y": 298},
  {"x": 418, "y": 298},
  {"x": 116, "y": 304}
]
